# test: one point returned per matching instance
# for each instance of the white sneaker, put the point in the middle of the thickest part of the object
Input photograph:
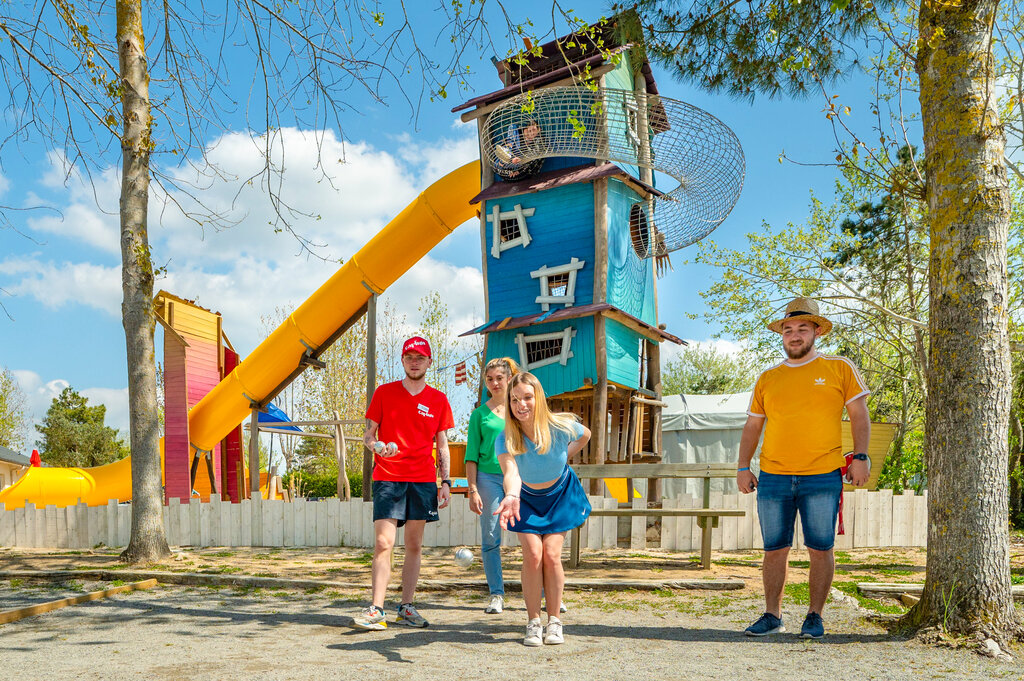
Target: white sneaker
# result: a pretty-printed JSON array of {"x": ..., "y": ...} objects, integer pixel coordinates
[
  {"x": 562, "y": 608},
  {"x": 496, "y": 605},
  {"x": 533, "y": 633},
  {"x": 553, "y": 632}
]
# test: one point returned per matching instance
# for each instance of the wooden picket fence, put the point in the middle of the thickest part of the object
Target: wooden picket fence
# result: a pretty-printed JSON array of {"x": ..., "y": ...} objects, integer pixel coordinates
[{"x": 872, "y": 519}]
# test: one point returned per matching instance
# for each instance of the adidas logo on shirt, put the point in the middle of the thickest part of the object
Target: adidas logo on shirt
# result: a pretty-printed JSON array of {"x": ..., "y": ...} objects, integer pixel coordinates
[{"x": 819, "y": 381}]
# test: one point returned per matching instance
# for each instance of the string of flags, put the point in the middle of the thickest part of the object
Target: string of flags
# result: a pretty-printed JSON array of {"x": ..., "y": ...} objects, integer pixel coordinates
[{"x": 461, "y": 370}]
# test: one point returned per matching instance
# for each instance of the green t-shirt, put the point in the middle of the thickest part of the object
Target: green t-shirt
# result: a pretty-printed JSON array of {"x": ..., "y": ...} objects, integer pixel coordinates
[{"x": 484, "y": 427}]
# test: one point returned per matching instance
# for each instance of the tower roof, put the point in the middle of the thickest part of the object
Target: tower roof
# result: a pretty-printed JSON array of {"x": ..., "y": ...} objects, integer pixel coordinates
[{"x": 569, "y": 56}]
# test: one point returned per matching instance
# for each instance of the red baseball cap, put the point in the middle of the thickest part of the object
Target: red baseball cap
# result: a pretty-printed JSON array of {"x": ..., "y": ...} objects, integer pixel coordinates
[{"x": 417, "y": 344}]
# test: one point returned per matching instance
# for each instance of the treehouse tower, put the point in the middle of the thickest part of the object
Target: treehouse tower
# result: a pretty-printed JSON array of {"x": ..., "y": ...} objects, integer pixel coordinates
[{"x": 573, "y": 230}]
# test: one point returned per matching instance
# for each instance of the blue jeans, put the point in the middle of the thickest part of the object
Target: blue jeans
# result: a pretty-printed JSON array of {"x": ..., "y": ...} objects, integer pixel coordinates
[
  {"x": 779, "y": 497},
  {"x": 491, "y": 493}
]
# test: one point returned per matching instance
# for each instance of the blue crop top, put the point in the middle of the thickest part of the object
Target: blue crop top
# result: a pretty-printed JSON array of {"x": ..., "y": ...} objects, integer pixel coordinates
[{"x": 535, "y": 468}]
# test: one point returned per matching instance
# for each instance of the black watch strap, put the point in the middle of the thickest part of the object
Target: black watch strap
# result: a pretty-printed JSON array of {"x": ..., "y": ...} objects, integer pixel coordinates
[{"x": 860, "y": 456}]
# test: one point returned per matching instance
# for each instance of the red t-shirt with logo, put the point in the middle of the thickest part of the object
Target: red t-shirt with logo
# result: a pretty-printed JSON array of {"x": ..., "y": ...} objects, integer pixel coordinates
[{"x": 411, "y": 422}]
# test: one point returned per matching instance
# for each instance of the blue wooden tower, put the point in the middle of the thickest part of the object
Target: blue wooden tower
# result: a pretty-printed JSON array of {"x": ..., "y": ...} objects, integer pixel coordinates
[{"x": 568, "y": 242}]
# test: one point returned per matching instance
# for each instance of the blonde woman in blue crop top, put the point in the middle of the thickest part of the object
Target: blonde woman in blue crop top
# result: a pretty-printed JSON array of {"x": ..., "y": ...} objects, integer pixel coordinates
[
  {"x": 543, "y": 497},
  {"x": 484, "y": 475}
]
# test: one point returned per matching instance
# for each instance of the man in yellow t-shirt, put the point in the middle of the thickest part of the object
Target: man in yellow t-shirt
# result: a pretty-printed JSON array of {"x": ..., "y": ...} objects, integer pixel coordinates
[{"x": 799, "y": 405}]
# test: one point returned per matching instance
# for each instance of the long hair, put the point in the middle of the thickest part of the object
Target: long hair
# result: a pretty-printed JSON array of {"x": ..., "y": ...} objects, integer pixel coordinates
[
  {"x": 543, "y": 418},
  {"x": 506, "y": 364}
]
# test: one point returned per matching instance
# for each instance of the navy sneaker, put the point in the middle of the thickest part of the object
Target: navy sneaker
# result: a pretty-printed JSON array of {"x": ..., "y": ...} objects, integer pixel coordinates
[
  {"x": 813, "y": 627},
  {"x": 766, "y": 624}
]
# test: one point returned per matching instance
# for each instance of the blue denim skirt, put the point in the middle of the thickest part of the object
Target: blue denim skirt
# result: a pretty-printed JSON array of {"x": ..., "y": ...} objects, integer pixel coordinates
[{"x": 559, "y": 508}]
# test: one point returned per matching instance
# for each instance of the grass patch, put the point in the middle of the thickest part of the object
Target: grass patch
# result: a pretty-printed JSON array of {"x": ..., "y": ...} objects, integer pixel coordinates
[
  {"x": 221, "y": 570},
  {"x": 72, "y": 585},
  {"x": 850, "y": 589},
  {"x": 843, "y": 557},
  {"x": 1016, "y": 578},
  {"x": 314, "y": 589},
  {"x": 16, "y": 582},
  {"x": 800, "y": 563},
  {"x": 221, "y": 554},
  {"x": 895, "y": 571},
  {"x": 735, "y": 562},
  {"x": 262, "y": 556},
  {"x": 264, "y": 574},
  {"x": 365, "y": 558},
  {"x": 799, "y": 593},
  {"x": 663, "y": 593}
]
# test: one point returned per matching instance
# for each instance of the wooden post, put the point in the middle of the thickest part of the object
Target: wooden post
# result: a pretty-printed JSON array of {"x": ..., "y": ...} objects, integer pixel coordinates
[
  {"x": 599, "y": 422},
  {"x": 254, "y": 479},
  {"x": 371, "y": 384},
  {"x": 254, "y": 453},
  {"x": 344, "y": 490},
  {"x": 654, "y": 384}
]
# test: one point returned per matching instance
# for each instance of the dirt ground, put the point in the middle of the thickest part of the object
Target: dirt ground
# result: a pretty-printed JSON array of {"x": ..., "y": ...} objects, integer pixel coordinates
[{"x": 219, "y": 632}]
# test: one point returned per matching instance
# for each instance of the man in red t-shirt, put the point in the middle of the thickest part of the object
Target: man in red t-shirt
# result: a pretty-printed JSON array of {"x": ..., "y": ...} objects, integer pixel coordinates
[{"x": 407, "y": 419}]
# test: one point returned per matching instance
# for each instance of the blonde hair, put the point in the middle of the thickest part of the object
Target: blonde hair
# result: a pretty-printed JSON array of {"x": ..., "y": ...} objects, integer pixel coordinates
[
  {"x": 543, "y": 419},
  {"x": 506, "y": 364}
]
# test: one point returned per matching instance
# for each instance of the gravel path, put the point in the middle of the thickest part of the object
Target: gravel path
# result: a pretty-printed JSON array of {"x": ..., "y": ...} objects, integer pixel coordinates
[{"x": 186, "y": 633}]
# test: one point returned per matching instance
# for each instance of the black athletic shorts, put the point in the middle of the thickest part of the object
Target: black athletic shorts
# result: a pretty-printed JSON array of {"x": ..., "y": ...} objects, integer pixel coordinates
[{"x": 404, "y": 501}]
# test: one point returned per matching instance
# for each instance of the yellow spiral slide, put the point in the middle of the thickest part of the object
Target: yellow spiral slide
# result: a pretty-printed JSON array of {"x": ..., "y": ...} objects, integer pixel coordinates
[{"x": 433, "y": 215}]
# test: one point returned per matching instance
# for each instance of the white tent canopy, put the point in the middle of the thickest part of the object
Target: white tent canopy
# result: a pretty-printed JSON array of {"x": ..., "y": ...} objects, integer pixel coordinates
[{"x": 703, "y": 429}]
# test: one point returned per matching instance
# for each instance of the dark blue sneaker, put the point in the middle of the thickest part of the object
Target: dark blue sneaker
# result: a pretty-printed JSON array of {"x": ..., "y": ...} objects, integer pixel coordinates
[
  {"x": 813, "y": 627},
  {"x": 766, "y": 624}
]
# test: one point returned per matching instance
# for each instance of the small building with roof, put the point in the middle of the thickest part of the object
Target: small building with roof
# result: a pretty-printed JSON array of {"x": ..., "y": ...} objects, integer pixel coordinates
[{"x": 12, "y": 466}]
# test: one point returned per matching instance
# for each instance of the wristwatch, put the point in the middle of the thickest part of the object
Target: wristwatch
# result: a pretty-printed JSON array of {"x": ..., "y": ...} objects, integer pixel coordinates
[
  {"x": 447, "y": 482},
  {"x": 860, "y": 456}
]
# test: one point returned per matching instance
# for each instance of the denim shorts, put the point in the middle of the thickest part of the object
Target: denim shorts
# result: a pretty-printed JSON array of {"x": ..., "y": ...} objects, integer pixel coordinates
[
  {"x": 779, "y": 497},
  {"x": 404, "y": 501}
]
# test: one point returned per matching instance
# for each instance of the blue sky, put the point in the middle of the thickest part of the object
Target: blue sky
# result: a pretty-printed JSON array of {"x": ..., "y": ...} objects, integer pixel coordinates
[{"x": 60, "y": 270}]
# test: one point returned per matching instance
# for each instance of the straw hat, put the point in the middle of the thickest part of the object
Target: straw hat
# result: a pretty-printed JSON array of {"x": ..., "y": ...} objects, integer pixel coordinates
[{"x": 807, "y": 310}]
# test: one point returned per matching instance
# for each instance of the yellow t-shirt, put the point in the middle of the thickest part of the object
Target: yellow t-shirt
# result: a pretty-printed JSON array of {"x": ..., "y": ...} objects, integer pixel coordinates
[{"x": 803, "y": 406}]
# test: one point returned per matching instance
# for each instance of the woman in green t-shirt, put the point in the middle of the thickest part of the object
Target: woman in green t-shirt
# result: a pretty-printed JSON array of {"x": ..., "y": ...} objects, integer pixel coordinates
[{"x": 484, "y": 474}]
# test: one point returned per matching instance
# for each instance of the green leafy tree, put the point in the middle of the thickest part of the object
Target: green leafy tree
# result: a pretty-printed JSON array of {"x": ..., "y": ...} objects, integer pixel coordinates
[
  {"x": 13, "y": 418},
  {"x": 703, "y": 369},
  {"x": 74, "y": 434},
  {"x": 447, "y": 350}
]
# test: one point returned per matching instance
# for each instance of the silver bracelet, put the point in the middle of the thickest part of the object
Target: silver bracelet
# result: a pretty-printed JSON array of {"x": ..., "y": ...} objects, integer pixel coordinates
[{"x": 514, "y": 496}]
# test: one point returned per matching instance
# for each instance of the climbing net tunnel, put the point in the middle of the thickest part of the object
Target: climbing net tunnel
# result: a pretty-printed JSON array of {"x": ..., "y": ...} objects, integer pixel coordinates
[{"x": 646, "y": 133}]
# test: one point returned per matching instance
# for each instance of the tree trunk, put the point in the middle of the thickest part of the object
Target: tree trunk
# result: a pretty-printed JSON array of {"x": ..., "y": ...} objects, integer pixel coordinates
[
  {"x": 148, "y": 542},
  {"x": 967, "y": 589}
]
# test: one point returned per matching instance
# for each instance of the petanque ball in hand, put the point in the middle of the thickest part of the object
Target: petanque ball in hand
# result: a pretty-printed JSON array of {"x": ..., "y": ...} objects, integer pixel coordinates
[{"x": 463, "y": 558}]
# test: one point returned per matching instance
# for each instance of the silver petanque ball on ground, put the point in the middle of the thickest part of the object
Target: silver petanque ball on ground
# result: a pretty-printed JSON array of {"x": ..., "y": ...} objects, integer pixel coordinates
[{"x": 463, "y": 557}]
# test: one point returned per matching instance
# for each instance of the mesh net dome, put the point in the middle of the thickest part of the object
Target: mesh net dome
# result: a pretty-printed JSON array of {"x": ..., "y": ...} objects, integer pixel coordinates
[{"x": 647, "y": 132}]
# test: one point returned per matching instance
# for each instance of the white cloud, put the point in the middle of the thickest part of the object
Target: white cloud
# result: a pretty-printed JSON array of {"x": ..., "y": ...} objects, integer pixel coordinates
[
  {"x": 83, "y": 222},
  {"x": 116, "y": 401},
  {"x": 58, "y": 284}
]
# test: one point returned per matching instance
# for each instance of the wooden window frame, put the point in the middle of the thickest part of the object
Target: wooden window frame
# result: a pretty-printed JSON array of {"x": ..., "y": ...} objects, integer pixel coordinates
[
  {"x": 545, "y": 273},
  {"x": 565, "y": 335},
  {"x": 496, "y": 215}
]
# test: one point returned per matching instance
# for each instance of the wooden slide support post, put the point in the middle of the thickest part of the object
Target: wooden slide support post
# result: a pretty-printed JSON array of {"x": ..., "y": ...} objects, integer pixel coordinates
[
  {"x": 344, "y": 490},
  {"x": 39, "y": 608}
]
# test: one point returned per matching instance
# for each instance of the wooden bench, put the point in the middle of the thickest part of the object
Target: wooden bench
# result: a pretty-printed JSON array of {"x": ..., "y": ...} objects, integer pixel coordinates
[{"x": 707, "y": 518}]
